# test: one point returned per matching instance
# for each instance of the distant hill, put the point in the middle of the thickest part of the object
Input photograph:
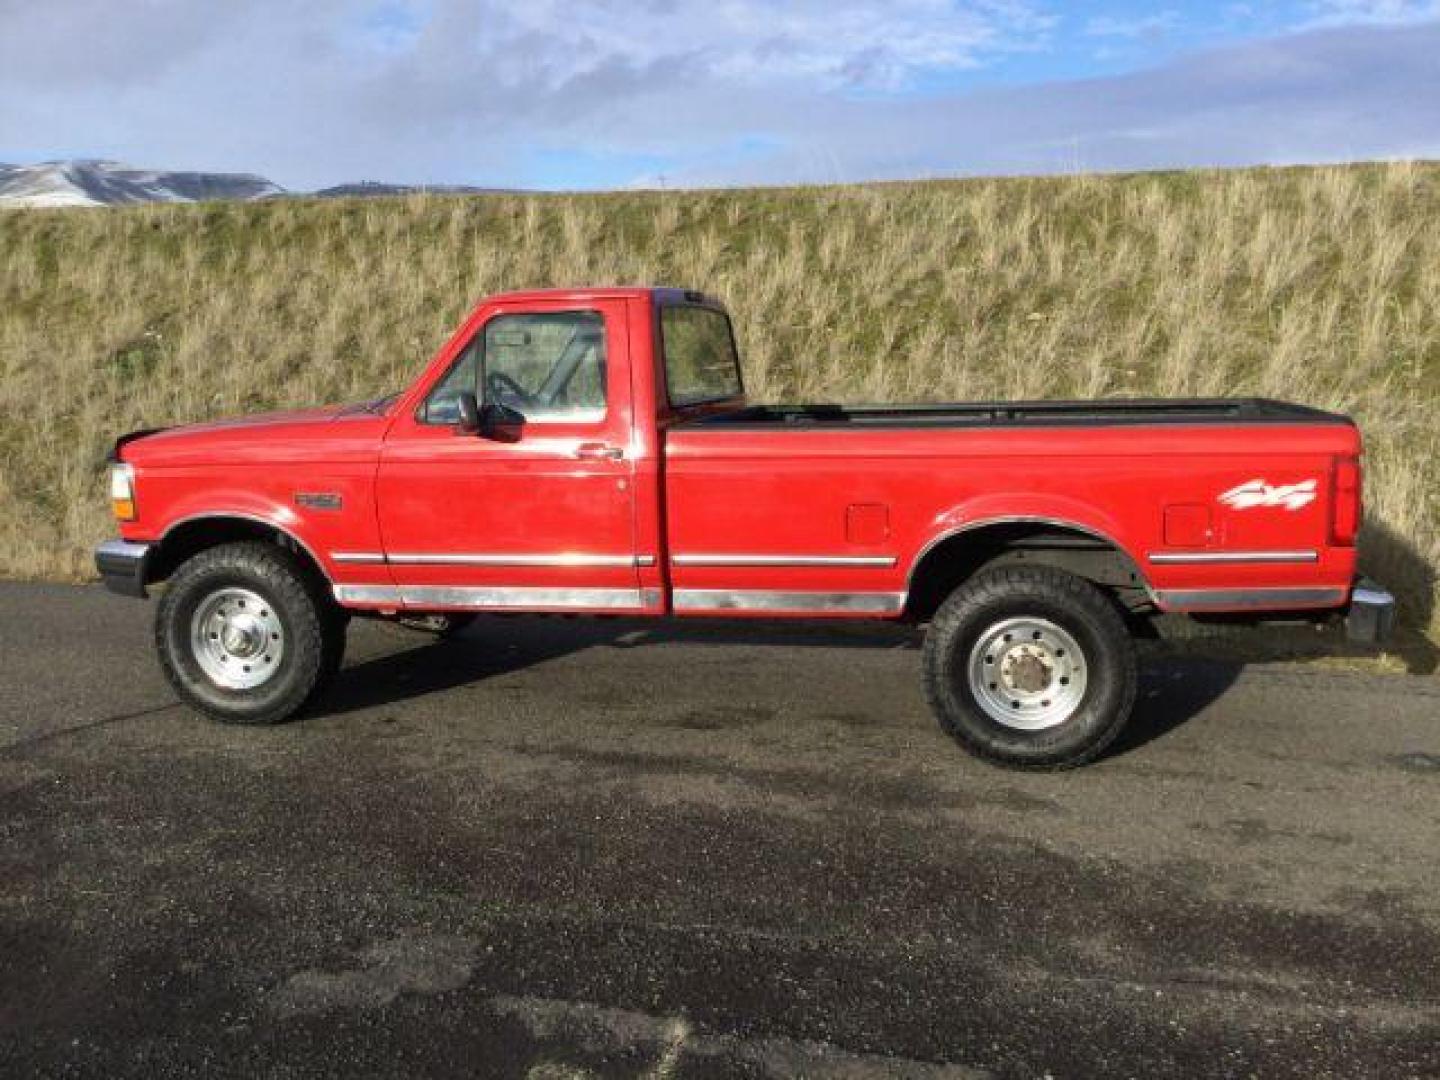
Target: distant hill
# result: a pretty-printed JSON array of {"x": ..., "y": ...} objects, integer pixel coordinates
[
  {"x": 109, "y": 183},
  {"x": 1317, "y": 285},
  {"x": 367, "y": 189}
]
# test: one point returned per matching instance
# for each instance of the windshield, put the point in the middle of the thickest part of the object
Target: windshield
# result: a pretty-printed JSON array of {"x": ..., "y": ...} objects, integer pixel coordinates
[{"x": 701, "y": 363}]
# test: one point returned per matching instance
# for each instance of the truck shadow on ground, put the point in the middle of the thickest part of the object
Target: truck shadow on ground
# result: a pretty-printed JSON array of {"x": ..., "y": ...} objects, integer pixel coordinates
[
  {"x": 1173, "y": 690},
  {"x": 496, "y": 646},
  {"x": 1392, "y": 559}
]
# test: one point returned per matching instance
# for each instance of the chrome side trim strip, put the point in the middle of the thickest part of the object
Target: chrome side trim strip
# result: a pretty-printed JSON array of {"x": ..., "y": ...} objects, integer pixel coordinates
[
  {"x": 368, "y": 558},
  {"x": 498, "y": 599},
  {"x": 857, "y": 561},
  {"x": 757, "y": 600},
  {"x": 368, "y": 594},
  {"x": 468, "y": 597},
  {"x": 1248, "y": 599},
  {"x": 1198, "y": 557},
  {"x": 466, "y": 559}
]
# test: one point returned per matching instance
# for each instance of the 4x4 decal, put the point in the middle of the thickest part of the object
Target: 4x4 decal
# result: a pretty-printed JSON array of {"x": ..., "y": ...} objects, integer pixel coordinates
[{"x": 1257, "y": 493}]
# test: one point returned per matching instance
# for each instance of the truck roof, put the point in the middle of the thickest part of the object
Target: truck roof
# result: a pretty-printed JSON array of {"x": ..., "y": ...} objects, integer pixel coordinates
[{"x": 661, "y": 293}]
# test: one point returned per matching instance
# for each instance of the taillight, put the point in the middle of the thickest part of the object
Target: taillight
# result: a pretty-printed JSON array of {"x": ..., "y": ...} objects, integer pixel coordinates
[{"x": 1345, "y": 505}]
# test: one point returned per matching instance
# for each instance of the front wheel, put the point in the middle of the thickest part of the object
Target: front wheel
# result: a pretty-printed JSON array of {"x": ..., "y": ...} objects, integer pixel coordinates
[
  {"x": 246, "y": 635},
  {"x": 1030, "y": 667}
]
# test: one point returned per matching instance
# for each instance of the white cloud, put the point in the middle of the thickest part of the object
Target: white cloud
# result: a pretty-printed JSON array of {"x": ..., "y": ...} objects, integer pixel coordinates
[
  {"x": 724, "y": 91},
  {"x": 1330, "y": 95},
  {"x": 831, "y": 43},
  {"x": 1383, "y": 12},
  {"x": 1146, "y": 26}
]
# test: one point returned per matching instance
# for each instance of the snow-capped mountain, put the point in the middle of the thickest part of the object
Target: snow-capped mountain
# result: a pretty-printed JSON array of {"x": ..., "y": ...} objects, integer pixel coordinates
[{"x": 109, "y": 183}]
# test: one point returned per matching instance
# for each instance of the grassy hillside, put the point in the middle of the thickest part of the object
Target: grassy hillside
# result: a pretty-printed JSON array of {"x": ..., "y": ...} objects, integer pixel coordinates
[{"x": 1321, "y": 286}]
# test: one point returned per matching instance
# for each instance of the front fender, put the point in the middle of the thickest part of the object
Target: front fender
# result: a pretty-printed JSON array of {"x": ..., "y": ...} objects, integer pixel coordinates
[
  {"x": 324, "y": 509},
  {"x": 250, "y": 505},
  {"x": 241, "y": 506}
]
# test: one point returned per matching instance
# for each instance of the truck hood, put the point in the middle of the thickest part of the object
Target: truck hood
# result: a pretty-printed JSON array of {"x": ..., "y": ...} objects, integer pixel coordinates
[
  {"x": 322, "y": 414},
  {"x": 328, "y": 433}
]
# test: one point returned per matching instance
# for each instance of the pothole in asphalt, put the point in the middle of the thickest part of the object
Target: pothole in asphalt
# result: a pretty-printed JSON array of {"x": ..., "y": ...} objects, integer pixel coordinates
[{"x": 415, "y": 965}]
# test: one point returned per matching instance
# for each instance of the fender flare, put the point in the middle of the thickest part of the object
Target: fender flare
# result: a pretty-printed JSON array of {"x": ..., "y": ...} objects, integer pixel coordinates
[
  {"x": 955, "y": 524},
  {"x": 247, "y": 516}
]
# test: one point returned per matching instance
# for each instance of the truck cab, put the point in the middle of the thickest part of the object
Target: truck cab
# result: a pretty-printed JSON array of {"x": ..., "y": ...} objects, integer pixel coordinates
[
  {"x": 592, "y": 451},
  {"x": 524, "y": 471}
]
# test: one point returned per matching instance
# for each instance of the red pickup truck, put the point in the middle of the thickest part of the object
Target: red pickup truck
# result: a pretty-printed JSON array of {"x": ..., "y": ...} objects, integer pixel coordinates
[{"x": 591, "y": 451}]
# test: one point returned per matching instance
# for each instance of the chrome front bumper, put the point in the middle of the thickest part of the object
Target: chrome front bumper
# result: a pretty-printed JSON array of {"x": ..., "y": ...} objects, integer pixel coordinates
[
  {"x": 122, "y": 566},
  {"x": 1370, "y": 618}
]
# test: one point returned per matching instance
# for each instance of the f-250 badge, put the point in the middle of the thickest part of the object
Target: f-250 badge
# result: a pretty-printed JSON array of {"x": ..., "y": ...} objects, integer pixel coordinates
[{"x": 1257, "y": 493}]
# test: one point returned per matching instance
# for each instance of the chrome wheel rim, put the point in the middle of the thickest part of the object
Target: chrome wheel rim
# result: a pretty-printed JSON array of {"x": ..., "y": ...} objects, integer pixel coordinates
[
  {"x": 237, "y": 639},
  {"x": 1027, "y": 673}
]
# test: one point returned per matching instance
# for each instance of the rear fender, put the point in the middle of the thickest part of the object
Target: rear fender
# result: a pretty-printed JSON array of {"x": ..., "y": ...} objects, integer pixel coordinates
[
  {"x": 1021, "y": 507},
  {"x": 946, "y": 557}
]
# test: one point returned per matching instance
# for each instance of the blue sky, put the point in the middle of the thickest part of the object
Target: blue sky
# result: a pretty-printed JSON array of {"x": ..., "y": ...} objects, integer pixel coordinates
[{"x": 569, "y": 94}]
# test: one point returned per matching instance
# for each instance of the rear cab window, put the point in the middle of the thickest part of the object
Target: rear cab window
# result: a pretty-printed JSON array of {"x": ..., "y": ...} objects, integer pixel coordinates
[{"x": 702, "y": 363}]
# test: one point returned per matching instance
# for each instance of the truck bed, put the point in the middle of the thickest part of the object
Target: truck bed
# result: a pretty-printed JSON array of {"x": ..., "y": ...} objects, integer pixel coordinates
[{"x": 1115, "y": 412}]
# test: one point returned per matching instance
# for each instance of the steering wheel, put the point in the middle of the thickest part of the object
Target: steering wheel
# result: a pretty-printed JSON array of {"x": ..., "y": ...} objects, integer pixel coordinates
[{"x": 501, "y": 386}]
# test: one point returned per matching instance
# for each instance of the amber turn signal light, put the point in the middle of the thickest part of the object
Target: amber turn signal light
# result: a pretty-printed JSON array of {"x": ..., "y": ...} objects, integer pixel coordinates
[{"x": 122, "y": 492}]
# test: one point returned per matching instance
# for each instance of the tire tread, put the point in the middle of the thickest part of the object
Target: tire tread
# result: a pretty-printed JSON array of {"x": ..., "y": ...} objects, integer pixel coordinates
[
  {"x": 1008, "y": 583},
  {"x": 317, "y": 630}
]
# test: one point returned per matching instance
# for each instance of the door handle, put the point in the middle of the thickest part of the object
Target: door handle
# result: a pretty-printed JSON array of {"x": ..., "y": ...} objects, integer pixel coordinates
[{"x": 592, "y": 451}]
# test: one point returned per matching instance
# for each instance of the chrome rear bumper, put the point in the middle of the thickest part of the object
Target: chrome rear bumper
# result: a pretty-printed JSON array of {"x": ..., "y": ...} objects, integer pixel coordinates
[
  {"x": 1370, "y": 618},
  {"x": 122, "y": 566}
]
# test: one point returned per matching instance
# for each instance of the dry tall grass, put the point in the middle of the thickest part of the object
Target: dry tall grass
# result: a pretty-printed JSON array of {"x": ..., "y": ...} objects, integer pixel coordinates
[{"x": 1321, "y": 286}]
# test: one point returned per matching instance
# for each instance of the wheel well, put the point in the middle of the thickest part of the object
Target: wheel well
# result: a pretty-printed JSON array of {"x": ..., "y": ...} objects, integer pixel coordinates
[
  {"x": 188, "y": 539},
  {"x": 963, "y": 554}
]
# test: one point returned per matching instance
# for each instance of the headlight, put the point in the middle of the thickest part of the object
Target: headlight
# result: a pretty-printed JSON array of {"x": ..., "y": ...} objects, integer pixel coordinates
[{"x": 122, "y": 492}]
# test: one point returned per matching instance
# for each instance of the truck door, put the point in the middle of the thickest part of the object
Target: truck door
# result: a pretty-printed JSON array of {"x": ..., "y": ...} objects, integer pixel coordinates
[{"x": 536, "y": 513}]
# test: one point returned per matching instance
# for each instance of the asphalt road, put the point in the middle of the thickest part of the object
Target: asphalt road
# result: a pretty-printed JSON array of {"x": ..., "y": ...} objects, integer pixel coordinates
[{"x": 567, "y": 849}]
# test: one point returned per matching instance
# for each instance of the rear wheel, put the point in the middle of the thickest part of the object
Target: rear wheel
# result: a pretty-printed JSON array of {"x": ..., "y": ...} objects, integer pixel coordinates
[
  {"x": 246, "y": 635},
  {"x": 1030, "y": 667}
]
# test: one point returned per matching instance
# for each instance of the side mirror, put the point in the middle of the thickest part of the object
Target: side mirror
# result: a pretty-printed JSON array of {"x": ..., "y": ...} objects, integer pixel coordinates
[
  {"x": 495, "y": 416},
  {"x": 469, "y": 414}
]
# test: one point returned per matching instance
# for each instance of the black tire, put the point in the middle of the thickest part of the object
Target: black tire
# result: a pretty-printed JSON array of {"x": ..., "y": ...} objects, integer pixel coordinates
[
  {"x": 309, "y": 628},
  {"x": 1041, "y": 597}
]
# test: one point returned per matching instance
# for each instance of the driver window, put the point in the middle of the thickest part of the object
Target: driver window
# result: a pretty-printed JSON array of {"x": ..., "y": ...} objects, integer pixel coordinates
[
  {"x": 547, "y": 367},
  {"x": 442, "y": 407}
]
